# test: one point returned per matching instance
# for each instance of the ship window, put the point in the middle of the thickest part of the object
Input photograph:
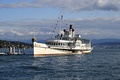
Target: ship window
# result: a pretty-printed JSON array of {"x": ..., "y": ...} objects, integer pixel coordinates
[{"x": 63, "y": 44}]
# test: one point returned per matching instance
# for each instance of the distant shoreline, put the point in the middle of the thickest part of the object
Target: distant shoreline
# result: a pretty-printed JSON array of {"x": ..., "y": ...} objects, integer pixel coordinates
[{"x": 6, "y": 44}]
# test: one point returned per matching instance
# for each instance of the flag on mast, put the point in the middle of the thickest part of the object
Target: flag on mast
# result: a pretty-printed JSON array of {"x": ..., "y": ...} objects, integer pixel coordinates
[{"x": 61, "y": 17}]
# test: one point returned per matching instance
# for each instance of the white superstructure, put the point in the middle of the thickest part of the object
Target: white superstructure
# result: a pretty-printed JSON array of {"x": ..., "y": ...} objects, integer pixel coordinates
[{"x": 64, "y": 43}]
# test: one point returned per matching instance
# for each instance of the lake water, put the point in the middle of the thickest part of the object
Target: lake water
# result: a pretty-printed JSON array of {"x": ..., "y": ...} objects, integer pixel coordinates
[{"x": 98, "y": 65}]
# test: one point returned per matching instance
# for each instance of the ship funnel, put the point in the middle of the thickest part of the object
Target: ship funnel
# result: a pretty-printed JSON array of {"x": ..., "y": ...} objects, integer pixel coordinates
[{"x": 71, "y": 26}]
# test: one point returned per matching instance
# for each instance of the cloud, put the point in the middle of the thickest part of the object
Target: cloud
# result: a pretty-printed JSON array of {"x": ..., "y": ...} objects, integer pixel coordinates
[
  {"x": 18, "y": 5},
  {"x": 44, "y": 29},
  {"x": 16, "y": 33},
  {"x": 108, "y": 5},
  {"x": 70, "y": 5},
  {"x": 25, "y": 29}
]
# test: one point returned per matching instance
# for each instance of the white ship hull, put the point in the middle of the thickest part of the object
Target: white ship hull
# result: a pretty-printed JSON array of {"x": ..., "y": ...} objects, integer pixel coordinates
[
  {"x": 39, "y": 51},
  {"x": 87, "y": 51},
  {"x": 43, "y": 50}
]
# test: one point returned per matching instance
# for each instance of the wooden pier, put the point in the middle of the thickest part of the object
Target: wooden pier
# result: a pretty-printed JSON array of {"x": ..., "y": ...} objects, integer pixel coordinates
[{"x": 12, "y": 51}]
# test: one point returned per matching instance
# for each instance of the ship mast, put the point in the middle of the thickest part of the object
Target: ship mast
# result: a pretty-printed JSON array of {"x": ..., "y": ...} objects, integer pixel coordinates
[
  {"x": 59, "y": 22},
  {"x": 60, "y": 18}
]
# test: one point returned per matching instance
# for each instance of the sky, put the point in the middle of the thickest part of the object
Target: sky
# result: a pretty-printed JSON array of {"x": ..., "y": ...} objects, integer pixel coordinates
[{"x": 93, "y": 19}]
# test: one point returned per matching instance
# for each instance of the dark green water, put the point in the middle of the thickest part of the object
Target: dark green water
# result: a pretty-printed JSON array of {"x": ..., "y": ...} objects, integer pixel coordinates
[{"x": 99, "y": 65}]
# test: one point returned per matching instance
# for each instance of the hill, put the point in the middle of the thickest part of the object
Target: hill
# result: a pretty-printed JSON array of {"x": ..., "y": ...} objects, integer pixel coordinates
[
  {"x": 6, "y": 44},
  {"x": 106, "y": 43},
  {"x": 104, "y": 40}
]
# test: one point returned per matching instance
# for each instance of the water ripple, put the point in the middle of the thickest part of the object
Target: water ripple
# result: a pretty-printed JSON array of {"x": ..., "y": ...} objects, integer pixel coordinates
[{"x": 99, "y": 65}]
